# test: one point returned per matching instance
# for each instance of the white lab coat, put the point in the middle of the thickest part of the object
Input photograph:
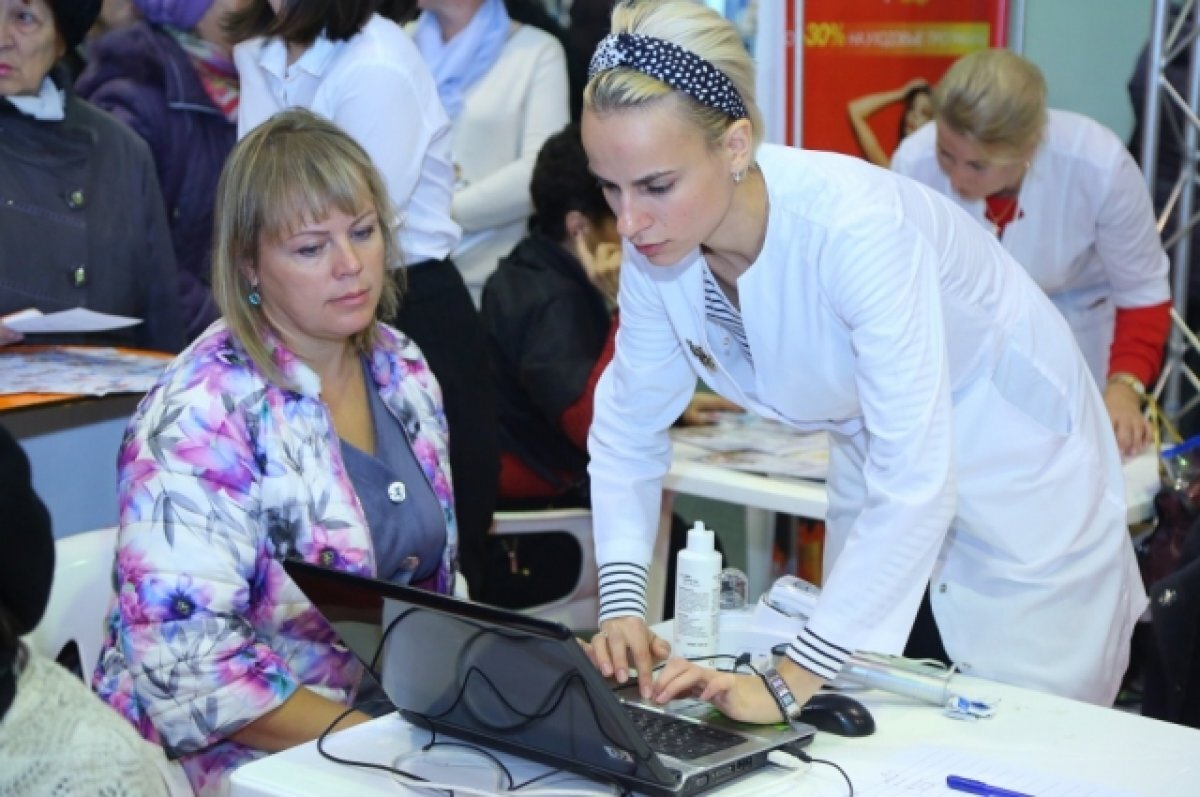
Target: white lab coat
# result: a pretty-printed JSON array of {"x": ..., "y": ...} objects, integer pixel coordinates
[
  {"x": 1086, "y": 232},
  {"x": 376, "y": 88},
  {"x": 969, "y": 443}
]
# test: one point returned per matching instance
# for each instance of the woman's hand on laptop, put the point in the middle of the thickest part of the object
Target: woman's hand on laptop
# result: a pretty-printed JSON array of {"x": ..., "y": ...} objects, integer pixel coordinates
[
  {"x": 740, "y": 696},
  {"x": 622, "y": 639}
]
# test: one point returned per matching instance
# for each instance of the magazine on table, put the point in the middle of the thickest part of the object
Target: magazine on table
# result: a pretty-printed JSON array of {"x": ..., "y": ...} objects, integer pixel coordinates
[{"x": 755, "y": 445}]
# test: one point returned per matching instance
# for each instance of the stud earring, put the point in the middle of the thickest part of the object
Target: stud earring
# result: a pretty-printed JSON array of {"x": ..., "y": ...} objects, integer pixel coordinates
[{"x": 254, "y": 297}]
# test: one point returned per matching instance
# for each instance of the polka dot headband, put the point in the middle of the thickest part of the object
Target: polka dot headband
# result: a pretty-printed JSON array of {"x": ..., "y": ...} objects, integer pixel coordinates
[{"x": 680, "y": 69}]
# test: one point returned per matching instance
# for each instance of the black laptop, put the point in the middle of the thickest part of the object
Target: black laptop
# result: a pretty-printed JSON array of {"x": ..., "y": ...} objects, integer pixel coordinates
[{"x": 522, "y": 685}]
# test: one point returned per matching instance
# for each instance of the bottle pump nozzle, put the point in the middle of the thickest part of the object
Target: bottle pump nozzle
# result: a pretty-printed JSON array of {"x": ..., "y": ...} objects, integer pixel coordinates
[{"x": 701, "y": 538}]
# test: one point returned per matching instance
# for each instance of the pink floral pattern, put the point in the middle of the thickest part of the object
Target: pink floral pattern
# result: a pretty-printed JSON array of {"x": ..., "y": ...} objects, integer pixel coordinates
[{"x": 221, "y": 476}]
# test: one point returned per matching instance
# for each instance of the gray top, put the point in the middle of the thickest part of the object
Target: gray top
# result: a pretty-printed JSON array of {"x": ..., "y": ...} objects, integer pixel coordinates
[{"x": 408, "y": 527}]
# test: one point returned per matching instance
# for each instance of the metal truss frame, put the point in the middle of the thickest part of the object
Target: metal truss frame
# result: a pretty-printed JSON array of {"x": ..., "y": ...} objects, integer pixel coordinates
[{"x": 1174, "y": 34}]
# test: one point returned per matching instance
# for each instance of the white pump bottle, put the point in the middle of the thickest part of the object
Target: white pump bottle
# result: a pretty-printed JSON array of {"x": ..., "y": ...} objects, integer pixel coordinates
[{"x": 697, "y": 595}]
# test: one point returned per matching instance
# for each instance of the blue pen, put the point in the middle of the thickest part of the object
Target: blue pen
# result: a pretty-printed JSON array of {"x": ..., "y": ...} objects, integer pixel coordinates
[{"x": 979, "y": 787}]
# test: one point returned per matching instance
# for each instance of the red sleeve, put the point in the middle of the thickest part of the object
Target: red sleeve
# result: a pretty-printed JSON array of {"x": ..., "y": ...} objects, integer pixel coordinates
[
  {"x": 518, "y": 480},
  {"x": 1138, "y": 341},
  {"x": 576, "y": 419}
]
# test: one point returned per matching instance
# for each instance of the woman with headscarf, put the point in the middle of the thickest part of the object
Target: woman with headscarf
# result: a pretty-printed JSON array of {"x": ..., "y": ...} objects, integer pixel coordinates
[
  {"x": 171, "y": 78},
  {"x": 82, "y": 219}
]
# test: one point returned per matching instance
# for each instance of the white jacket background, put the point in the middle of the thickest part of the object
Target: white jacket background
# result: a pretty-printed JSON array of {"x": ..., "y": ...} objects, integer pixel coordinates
[
  {"x": 506, "y": 117},
  {"x": 376, "y": 88},
  {"x": 1086, "y": 233},
  {"x": 970, "y": 444}
]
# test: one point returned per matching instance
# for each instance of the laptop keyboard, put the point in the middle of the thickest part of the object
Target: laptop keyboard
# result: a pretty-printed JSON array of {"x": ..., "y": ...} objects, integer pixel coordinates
[{"x": 679, "y": 738}]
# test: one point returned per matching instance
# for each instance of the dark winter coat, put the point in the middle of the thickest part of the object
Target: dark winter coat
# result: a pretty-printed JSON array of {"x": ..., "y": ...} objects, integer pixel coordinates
[
  {"x": 82, "y": 224},
  {"x": 143, "y": 77},
  {"x": 546, "y": 326}
]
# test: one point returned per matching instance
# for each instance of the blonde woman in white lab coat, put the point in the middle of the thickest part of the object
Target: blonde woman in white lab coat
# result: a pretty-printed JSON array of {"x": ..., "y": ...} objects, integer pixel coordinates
[
  {"x": 1068, "y": 202},
  {"x": 971, "y": 452}
]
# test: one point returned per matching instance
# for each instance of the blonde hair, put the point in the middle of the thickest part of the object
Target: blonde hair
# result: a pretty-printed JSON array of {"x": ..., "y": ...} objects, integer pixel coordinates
[
  {"x": 292, "y": 170},
  {"x": 695, "y": 28},
  {"x": 997, "y": 99}
]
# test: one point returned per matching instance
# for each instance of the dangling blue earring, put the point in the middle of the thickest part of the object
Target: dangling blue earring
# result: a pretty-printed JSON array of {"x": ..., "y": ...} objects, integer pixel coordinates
[{"x": 254, "y": 297}]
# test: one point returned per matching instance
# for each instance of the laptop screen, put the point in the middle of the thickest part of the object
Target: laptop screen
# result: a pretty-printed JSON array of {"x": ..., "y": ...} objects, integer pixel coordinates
[{"x": 504, "y": 679}]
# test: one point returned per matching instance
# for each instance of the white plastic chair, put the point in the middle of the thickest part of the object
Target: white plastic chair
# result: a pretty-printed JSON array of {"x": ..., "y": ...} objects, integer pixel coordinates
[
  {"x": 579, "y": 608},
  {"x": 79, "y": 598}
]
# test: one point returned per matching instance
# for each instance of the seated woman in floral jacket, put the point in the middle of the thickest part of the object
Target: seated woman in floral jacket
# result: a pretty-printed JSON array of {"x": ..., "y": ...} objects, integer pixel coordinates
[{"x": 300, "y": 426}]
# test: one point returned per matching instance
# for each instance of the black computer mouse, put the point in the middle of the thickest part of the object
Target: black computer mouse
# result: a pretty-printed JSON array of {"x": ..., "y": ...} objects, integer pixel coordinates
[{"x": 833, "y": 712}]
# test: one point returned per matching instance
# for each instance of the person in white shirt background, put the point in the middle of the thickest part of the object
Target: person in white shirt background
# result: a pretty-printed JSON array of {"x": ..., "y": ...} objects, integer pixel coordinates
[
  {"x": 504, "y": 86},
  {"x": 343, "y": 61},
  {"x": 970, "y": 449},
  {"x": 1065, "y": 198}
]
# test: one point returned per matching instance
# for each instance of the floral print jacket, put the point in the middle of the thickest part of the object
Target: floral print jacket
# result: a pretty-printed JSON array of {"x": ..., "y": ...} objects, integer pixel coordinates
[{"x": 222, "y": 474}]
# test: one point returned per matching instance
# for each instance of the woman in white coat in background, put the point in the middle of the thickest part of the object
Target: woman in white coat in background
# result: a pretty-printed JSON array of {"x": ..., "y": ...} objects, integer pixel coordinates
[
  {"x": 504, "y": 86},
  {"x": 1068, "y": 202},
  {"x": 970, "y": 453}
]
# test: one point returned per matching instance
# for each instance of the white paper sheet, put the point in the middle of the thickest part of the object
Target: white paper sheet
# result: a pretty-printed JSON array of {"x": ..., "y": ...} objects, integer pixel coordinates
[
  {"x": 75, "y": 320},
  {"x": 922, "y": 770}
]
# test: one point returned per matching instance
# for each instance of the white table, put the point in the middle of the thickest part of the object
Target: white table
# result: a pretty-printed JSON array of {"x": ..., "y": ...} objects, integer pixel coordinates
[
  {"x": 762, "y": 496},
  {"x": 1030, "y": 730},
  {"x": 302, "y": 772}
]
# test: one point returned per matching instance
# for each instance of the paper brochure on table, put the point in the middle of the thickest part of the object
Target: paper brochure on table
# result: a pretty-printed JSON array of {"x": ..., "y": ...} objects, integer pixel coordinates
[
  {"x": 756, "y": 445},
  {"x": 77, "y": 320},
  {"x": 922, "y": 770},
  {"x": 78, "y": 371}
]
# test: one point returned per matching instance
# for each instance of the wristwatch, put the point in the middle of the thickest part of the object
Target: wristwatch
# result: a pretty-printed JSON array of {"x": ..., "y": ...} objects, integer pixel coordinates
[
  {"x": 782, "y": 694},
  {"x": 1130, "y": 381}
]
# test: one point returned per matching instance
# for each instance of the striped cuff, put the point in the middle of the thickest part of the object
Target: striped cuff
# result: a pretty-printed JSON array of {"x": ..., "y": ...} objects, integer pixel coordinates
[
  {"x": 622, "y": 590},
  {"x": 819, "y": 656}
]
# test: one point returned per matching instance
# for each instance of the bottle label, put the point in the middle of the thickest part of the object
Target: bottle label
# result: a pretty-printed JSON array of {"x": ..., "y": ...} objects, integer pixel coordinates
[{"x": 696, "y": 603}]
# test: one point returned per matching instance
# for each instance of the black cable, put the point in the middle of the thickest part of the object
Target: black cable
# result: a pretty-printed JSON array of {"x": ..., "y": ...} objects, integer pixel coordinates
[
  {"x": 554, "y": 697},
  {"x": 535, "y": 779},
  {"x": 512, "y": 785},
  {"x": 743, "y": 659},
  {"x": 464, "y": 679},
  {"x": 806, "y": 758},
  {"x": 434, "y": 742},
  {"x": 361, "y": 764},
  {"x": 561, "y": 686},
  {"x": 374, "y": 666},
  {"x": 372, "y": 669},
  {"x": 622, "y": 791},
  {"x": 538, "y": 714}
]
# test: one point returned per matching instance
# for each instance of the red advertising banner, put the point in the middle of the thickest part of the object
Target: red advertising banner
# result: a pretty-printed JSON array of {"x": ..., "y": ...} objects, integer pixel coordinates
[{"x": 868, "y": 66}]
